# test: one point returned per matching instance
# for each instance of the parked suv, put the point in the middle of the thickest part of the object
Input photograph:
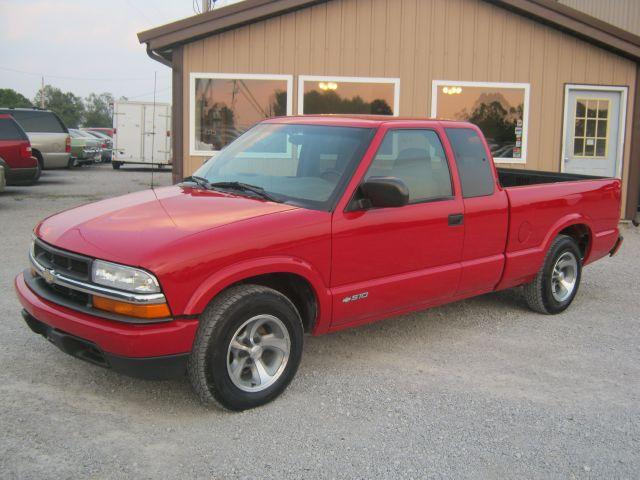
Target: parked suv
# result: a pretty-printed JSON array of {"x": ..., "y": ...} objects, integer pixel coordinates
[
  {"x": 48, "y": 134},
  {"x": 20, "y": 166}
]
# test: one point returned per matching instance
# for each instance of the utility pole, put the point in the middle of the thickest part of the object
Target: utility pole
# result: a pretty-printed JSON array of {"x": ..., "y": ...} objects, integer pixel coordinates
[{"x": 42, "y": 94}]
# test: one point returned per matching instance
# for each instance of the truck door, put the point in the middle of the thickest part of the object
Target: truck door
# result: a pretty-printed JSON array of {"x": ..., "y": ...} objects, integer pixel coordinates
[
  {"x": 388, "y": 259},
  {"x": 485, "y": 212}
]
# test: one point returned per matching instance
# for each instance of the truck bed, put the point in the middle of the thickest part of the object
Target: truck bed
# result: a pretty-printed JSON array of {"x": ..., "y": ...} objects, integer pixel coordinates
[
  {"x": 542, "y": 204},
  {"x": 516, "y": 177}
]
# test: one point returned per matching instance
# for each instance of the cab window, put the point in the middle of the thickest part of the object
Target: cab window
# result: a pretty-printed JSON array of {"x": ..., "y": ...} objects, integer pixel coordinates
[
  {"x": 417, "y": 158},
  {"x": 474, "y": 166}
]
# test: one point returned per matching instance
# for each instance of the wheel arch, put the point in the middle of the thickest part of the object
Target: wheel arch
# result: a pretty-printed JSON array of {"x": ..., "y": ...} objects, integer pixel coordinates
[
  {"x": 582, "y": 235},
  {"x": 294, "y": 278},
  {"x": 575, "y": 225}
]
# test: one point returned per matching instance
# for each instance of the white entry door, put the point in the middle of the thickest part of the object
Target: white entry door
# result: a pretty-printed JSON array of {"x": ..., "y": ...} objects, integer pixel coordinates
[{"x": 594, "y": 130}]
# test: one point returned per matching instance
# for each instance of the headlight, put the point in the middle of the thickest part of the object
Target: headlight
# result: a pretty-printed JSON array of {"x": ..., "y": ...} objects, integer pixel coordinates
[{"x": 123, "y": 278}]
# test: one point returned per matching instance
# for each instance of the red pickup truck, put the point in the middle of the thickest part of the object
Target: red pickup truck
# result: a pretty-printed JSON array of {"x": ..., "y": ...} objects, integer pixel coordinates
[{"x": 305, "y": 224}]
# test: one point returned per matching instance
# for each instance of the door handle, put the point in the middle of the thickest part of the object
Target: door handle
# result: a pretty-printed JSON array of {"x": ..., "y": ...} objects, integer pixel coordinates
[{"x": 456, "y": 219}]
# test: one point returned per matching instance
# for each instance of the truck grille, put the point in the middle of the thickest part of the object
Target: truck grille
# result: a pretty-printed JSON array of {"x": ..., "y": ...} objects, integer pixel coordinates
[{"x": 69, "y": 264}]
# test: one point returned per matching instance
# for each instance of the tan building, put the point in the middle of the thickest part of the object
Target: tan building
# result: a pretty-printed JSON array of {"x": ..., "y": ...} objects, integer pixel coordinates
[{"x": 551, "y": 87}]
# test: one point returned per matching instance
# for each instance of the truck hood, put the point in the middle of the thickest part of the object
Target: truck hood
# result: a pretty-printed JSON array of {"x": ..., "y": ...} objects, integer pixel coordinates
[{"x": 136, "y": 226}]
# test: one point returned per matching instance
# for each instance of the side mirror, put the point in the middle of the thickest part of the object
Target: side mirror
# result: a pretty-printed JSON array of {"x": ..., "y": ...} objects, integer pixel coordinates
[{"x": 382, "y": 192}]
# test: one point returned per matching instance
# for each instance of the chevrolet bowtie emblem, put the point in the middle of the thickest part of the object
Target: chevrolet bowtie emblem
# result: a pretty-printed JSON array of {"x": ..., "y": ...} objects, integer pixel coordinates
[{"x": 48, "y": 276}]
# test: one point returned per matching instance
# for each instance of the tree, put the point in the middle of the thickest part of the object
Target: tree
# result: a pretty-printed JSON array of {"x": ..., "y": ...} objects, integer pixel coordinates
[
  {"x": 67, "y": 105},
  {"x": 11, "y": 98},
  {"x": 316, "y": 102},
  {"x": 98, "y": 110}
]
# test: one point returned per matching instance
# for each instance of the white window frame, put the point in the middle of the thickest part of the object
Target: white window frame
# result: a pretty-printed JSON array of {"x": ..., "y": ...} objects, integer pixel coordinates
[
  {"x": 227, "y": 76},
  {"x": 435, "y": 87},
  {"x": 323, "y": 78},
  {"x": 622, "y": 128}
]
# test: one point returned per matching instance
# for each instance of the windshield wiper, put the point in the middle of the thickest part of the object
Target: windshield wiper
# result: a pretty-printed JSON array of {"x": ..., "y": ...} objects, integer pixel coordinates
[
  {"x": 200, "y": 181},
  {"x": 245, "y": 187}
]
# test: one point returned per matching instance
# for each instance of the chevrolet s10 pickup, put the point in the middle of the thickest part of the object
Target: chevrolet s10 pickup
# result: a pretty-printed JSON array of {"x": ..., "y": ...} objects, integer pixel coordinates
[{"x": 307, "y": 224}]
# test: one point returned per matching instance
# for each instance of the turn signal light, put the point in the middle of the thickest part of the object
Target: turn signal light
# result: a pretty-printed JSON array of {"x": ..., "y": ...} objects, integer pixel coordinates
[{"x": 160, "y": 310}]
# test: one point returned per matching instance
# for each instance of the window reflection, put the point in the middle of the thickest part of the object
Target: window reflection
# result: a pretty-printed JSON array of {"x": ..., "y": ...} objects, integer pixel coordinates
[
  {"x": 329, "y": 96},
  {"x": 498, "y": 111},
  {"x": 225, "y": 108}
]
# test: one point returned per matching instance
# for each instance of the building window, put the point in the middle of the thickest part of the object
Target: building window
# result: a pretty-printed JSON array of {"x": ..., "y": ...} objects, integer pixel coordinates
[
  {"x": 348, "y": 95},
  {"x": 591, "y": 130},
  {"x": 223, "y": 106},
  {"x": 500, "y": 110}
]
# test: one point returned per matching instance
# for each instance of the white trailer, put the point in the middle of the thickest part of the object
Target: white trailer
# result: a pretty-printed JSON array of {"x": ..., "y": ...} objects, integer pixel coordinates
[{"x": 142, "y": 133}]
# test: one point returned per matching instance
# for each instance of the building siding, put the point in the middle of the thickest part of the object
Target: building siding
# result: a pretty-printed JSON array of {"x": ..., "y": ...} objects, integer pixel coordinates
[
  {"x": 419, "y": 41},
  {"x": 624, "y": 14}
]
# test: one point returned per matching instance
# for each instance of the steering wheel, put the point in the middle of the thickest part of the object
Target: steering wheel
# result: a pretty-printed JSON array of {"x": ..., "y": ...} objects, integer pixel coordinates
[{"x": 331, "y": 175}]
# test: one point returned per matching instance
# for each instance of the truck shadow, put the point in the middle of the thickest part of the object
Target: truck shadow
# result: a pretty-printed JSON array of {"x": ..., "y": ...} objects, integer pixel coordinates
[{"x": 328, "y": 355}]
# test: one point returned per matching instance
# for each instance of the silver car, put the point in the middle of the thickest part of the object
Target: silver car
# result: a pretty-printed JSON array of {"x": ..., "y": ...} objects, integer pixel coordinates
[{"x": 50, "y": 141}]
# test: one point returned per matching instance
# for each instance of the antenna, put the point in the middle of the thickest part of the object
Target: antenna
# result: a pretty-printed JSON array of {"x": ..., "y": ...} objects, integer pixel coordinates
[{"x": 153, "y": 126}]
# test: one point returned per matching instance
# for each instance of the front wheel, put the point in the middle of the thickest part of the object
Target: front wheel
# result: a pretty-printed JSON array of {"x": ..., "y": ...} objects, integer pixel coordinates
[
  {"x": 247, "y": 349},
  {"x": 116, "y": 165},
  {"x": 557, "y": 282}
]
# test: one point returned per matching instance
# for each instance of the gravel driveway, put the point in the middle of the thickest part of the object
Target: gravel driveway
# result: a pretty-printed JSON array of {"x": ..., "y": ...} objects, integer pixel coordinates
[{"x": 479, "y": 389}]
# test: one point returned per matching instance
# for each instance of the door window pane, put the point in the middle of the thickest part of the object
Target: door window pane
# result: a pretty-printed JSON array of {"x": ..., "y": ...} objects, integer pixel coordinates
[
  {"x": 499, "y": 110},
  {"x": 336, "y": 95},
  {"x": 591, "y": 128},
  {"x": 227, "y": 107},
  {"x": 417, "y": 158}
]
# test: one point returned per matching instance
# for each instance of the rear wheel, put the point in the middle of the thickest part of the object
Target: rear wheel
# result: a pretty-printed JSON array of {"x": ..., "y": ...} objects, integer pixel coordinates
[
  {"x": 38, "y": 156},
  {"x": 116, "y": 165},
  {"x": 247, "y": 349},
  {"x": 38, "y": 173},
  {"x": 557, "y": 282}
]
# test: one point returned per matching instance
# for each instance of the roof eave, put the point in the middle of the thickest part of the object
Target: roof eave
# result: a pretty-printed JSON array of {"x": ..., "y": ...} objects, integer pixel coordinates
[
  {"x": 218, "y": 20},
  {"x": 576, "y": 23},
  {"x": 549, "y": 12}
]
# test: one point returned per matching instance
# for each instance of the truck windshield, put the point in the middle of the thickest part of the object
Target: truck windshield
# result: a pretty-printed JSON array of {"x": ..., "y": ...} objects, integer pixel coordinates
[{"x": 304, "y": 165}]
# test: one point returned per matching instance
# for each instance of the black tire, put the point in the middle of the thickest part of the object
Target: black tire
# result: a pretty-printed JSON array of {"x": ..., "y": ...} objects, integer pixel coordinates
[
  {"x": 539, "y": 293},
  {"x": 38, "y": 156},
  {"x": 219, "y": 323},
  {"x": 116, "y": 165},
  {"x": 37, "y": 175}
]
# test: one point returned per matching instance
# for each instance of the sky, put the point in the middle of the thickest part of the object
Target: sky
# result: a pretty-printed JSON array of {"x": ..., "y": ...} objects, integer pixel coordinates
[{"x": 85, "y": 46}]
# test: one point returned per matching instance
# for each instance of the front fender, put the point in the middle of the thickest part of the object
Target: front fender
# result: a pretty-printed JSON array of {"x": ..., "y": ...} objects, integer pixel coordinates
[{"x": 237, "y": 272}]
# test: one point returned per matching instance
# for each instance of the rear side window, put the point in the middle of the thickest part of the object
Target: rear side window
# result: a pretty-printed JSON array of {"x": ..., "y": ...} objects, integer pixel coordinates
[
  {"x": 9, "y": 130},
  {"x": 417, "y": 158},
  {"x": 38, "y": 122},
  {"x": 474, "y": 168}
]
